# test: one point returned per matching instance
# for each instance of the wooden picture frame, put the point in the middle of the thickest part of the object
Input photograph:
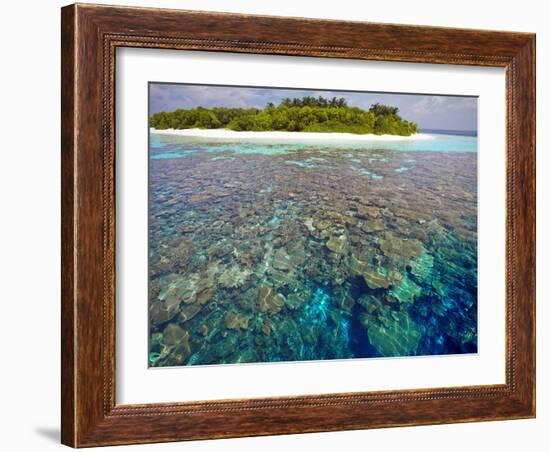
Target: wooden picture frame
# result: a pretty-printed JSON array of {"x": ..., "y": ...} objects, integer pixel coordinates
[{"x": 90, "y": 36}]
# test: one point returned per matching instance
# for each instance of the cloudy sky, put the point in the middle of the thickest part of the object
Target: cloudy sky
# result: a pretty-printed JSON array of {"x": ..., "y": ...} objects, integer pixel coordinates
[{"x": 428, "y": 111}]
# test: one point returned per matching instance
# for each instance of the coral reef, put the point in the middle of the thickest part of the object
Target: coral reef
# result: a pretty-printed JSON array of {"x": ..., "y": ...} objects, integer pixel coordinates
[
  {"x": 268, "y": 301},
  {"x": 236, "y": 321},
  {"x": 398, "y": 337},
  {"x": 282, "y": 252}
]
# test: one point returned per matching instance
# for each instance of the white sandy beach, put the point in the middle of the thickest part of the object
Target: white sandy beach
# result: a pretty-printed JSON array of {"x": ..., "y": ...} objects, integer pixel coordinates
[{"x": 306, "y": 136}]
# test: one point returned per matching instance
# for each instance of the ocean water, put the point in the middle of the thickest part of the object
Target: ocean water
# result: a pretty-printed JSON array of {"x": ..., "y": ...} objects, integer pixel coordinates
[
  {"x": 285, "y": 251},
  {"x": 167, "y": 146}
]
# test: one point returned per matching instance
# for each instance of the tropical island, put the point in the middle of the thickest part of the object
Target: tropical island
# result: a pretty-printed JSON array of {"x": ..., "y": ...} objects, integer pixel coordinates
[{"x": 306, "y": 114}]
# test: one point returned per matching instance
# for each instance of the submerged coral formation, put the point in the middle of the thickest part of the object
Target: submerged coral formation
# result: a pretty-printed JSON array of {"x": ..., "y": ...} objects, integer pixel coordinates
[{"x": 256, "y": 260}]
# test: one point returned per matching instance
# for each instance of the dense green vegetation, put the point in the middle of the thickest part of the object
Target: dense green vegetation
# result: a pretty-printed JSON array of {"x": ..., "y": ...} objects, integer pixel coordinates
[{"x": 307, "y": 114}]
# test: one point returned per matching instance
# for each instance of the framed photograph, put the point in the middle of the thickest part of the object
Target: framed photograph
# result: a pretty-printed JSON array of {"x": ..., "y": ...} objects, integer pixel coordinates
[{"x": 282, "y": 225}]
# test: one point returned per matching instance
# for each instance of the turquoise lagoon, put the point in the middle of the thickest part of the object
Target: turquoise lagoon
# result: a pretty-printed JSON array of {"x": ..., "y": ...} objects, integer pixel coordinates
[
  {"x": 168, "y": 146},
  {"x": 269, "y": 251}
]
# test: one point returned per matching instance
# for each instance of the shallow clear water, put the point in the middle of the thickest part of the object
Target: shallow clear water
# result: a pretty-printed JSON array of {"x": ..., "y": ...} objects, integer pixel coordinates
[
  {"x": 285, "y": 251},
  {"x": 162, "y": 146}
]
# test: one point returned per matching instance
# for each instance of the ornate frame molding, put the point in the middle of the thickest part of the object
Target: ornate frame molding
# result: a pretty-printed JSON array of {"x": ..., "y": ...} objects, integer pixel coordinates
[{"x": 90, "y": 37}]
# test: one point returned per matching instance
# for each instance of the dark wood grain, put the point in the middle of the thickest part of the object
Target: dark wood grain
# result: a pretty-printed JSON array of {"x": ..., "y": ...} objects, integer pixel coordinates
[
  {"x": 68, "y": 310},
  {"x": 90, "y": 36}
]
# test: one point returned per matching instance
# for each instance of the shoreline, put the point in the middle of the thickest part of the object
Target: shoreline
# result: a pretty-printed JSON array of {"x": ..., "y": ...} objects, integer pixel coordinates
[{"x": 301, "y": 136}]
